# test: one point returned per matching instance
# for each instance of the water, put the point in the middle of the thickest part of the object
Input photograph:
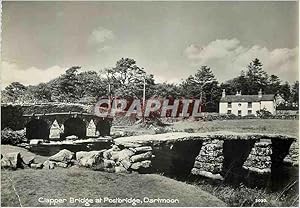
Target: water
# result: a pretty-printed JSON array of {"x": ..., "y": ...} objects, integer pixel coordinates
[{"x": 51, "y": 149}]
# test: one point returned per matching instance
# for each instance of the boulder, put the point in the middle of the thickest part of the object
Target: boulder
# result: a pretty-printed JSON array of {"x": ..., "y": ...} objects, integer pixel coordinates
[
  {"x": 15, "y": 159},
  {"x": 36, "y": 165},
  {"x": 106, "y": 154},
  {"x": 139, "y": 165},
  {"x": 121, "y": 169},
  {"x": 142, "y": 149},
  {"x": 110, "y": 170},
  {"x": 109, "y": 163},
  {"x": 140, "y": 157},
  {"x": 114, "y": 155},
  {"x": 28, "y": 160},
  {"x": 35, "y": 141},
  {"x": 49, "y": 164},
  {"x": 61, "y": 164},
  {"x": 90, "y": 159},
  {"x": 5, "y": 163},
  {"x": 64, "y": 156},
  {"x": 125, "y": 154},
  {"x": 125, "y": 163},
  {"x": 115, "y": 148}
]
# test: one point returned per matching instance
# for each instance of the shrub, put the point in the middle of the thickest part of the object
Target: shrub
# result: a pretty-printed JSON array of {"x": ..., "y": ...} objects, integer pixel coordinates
[
  {"x": 264, "y": 113},
  {"x": 189, "y": 130},
  {"x": 250, "y": 116},
  {"x": 12, "y": 117},
  {"x": 11, "y": 137}
]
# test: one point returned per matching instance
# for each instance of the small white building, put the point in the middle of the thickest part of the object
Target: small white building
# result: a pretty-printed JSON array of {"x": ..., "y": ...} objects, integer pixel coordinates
[{"x": 242, "y": 105}]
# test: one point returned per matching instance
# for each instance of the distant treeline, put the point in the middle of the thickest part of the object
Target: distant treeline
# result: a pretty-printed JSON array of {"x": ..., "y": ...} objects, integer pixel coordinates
[{"x": 126, "y": 80}]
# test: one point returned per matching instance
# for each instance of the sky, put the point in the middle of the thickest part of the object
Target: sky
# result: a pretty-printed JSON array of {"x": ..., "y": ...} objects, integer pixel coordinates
[{"x": 170, "y": 40}]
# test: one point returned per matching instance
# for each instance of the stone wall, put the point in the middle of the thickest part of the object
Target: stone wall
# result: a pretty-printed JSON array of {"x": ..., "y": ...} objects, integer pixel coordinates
[
  {"x": 259, "y": 159},
  {"x": 209, "y": 162},
  {"x": 293, "y": 155}
]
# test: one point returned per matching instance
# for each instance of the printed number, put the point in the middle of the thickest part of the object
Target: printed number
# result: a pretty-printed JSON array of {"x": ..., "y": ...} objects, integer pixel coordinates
[{"x": 260, "y": 200}]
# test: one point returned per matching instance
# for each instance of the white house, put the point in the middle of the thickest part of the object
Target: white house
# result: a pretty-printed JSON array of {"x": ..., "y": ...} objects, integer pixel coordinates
[{"x": 242, "y": 105}]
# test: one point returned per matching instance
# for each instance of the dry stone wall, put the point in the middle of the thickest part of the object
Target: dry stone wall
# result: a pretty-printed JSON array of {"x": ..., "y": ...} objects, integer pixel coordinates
[
  {"x": 259, "y": 159},
  {"x": 293, "y": 155},
  {"x": 209, "y": 162}
]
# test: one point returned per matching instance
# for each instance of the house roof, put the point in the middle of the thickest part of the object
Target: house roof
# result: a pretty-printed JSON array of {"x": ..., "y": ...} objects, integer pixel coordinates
[{"x": 247, "y": 98}]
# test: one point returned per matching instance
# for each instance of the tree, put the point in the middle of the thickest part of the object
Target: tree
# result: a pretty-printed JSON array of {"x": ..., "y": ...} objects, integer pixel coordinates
[
  {"x": 14, "y": 91},
  {"x": 274, "y": 84},
  {"x": 240, "y": 83},
  {"x": 203, "y": 85},
  {"x": 127, "y": 79},
  {"x": 285, "y": 91},
  {"x": 167, "y": 90},
  {"x": 92, "y": 85},
  {"x": 295, "y": 93},
  {"x": 257, "y": 77},
  {"x": 65, "y": 88}
]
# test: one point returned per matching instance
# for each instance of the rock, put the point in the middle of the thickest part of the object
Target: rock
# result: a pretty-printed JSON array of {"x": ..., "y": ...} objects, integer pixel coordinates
[
  {"x": 109, "y": 163},
  {"x": 15, "y": 160},
  {"x": 74, "y": 162},
  {"x": 140, "y": 157},
  {"x": 72, "y": 137},
  {"x": 125, "y": 154},
  {"x": 125, "y": 163},
  {"x": 118, "y": 134},
  {"x": 64, "y": 156},
  {"x": 107, "y": 154},
  {"x": 196, "y": 171},
  {"x": 36, "y": 165},
  {"x": 49, "y": 164},
  {"x": 115, "y": 148},
  {"x": 35, "y": 141},
  {"x": 121, "y": 169},
  {"x": 142, "y": 149},
  {"x": 109, "y": 170},
  {"x": 90, "y": 159},
  {"x": 143, "y": 164},
  {"x": 28, "y": 160},
  {"x": 114, "y": 155},
  {"x": 61, "y": 164},
  {"x": 5, "y": 163}
]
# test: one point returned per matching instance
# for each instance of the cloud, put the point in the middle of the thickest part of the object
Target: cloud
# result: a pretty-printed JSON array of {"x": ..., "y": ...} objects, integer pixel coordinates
[
  {"x": 227, "y": 57},
  {"x": 12, "y": 73},
  {"x": 101, "y": 35},
  {"x": 104, "y": 48},
  {"x": 99, "y": 38}
]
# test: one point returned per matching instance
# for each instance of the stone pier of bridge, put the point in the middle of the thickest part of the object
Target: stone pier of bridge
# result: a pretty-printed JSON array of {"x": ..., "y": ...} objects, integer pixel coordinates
[{"x": 217, "y": 155}]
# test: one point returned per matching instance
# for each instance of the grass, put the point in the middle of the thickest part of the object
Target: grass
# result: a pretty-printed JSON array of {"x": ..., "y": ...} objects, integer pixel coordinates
[
  {"x": 25, "y": 187},
  {"x": 289, "y": 127},
  {"x": 245, "y": 196}
]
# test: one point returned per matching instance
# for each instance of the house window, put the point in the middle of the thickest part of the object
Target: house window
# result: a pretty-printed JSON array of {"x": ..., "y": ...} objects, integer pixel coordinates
[
  {"x": 239, "y": 113},
  {"x": 249, "y": 112},
  {"x": 229, "y": 105},
  {"x": 249, "y": 104},
  {"x": 229, "y": 112}
]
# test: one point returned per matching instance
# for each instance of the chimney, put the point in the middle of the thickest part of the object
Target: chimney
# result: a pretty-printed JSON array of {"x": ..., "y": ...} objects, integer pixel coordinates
[
  {"x": 238, "y": 93},
  {"x": 260, "y": 93},
  {"x": 223, "y": 93}
]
